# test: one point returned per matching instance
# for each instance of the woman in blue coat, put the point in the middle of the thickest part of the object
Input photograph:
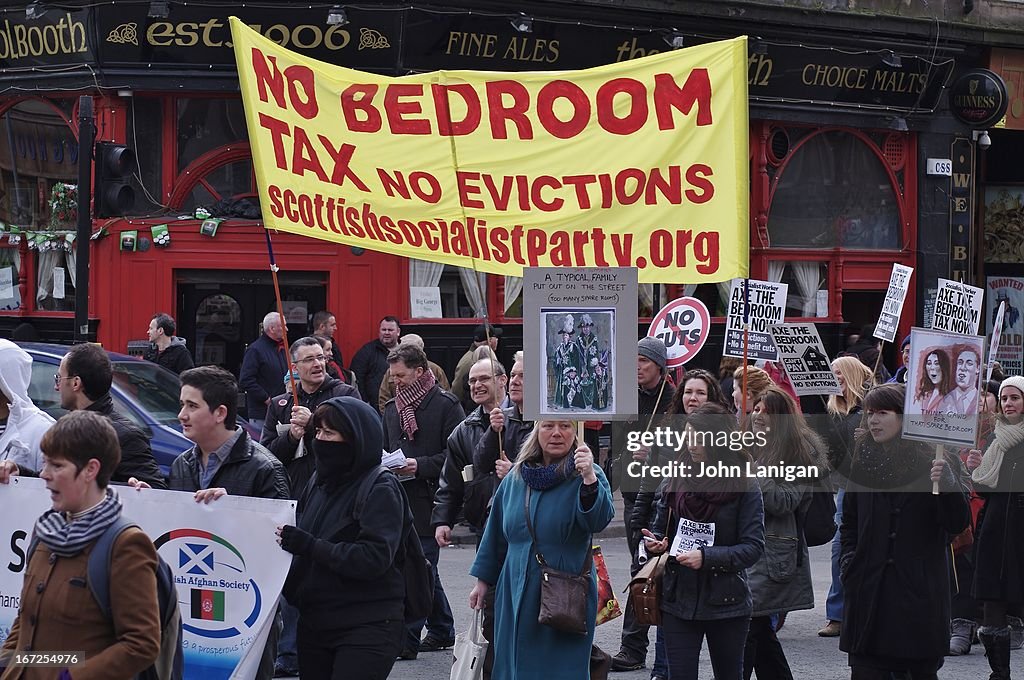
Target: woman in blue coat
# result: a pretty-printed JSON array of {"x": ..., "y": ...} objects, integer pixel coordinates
[{"x": 570, "y": 500}]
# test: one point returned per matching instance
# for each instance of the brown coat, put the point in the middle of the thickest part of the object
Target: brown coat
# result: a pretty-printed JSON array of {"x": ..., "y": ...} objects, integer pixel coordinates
[{"x": 59, "y": 614}]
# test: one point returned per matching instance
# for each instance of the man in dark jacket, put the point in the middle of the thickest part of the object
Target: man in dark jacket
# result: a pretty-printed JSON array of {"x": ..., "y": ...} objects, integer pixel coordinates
[
  {"x": 262, "y": 367},
  {"x": 84, "y": 380},
  {"x": 224, "y": 459},
  {"x": 325, "y": 324},
  {"x": 419, "y": 421},
  {"x": 370, "y": 364},
  {"x": 487, "y": 388},
  {"x": 288, "y": 433},
  {"x": 167, "y": 349},
  {"x": 488, "y": 457},
  {"x": 655, "y": 397}
]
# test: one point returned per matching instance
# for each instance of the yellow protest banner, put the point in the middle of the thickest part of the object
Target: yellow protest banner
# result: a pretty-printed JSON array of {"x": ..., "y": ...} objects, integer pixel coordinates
[{"x": 642, "y": 163}]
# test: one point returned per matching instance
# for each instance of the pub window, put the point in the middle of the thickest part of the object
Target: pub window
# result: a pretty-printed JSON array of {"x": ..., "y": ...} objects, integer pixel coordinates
[
  {"x": 834, "y": 192},
  {"x": 145, "y": 126},
  {"x": 463, "y": 291},
  {"x": 226, "y": 185},
  {"x": 10, "y": 268},
  {"x": 38, "y": 149},
  {"x": 807, "y": 296},
  {"x": 205, "y": 124}
]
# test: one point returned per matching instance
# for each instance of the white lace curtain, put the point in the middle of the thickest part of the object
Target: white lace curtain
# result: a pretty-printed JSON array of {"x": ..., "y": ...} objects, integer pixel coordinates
[
  {"x": 474, "y": 285},
  {"x": 424, "y": 274},
  {"x": 808, "y": 281},
  {"x": 513, "y": 287},
  {"x": 48, "y": 259}
]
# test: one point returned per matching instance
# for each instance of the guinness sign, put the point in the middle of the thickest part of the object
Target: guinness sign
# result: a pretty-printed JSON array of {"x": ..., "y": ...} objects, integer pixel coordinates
[{"x": 978, "y": 98}]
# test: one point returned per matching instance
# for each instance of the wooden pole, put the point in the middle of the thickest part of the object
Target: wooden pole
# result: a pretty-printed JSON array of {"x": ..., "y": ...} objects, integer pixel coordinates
[{"x": 280, "y": 311}]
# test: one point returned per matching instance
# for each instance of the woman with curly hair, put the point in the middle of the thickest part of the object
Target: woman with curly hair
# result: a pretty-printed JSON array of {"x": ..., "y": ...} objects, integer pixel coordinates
[
  {"x": 757, "y": 382},
  {"x": 935, "y": 381}
]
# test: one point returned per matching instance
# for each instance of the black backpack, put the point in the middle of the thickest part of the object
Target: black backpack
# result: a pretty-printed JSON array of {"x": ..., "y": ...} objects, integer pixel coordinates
[
  {"x": 415, "y": 567},
  {"x": 817, "y": 523},
  {"x": 170, "y": 663}
]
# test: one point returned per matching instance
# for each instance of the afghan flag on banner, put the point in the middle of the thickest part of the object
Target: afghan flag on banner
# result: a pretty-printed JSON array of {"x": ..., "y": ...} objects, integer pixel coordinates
[{"x": 208, "y": 605}]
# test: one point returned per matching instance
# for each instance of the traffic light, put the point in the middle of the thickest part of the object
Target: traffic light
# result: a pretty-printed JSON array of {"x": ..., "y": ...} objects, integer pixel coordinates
[{"x": 113, "y": 192}]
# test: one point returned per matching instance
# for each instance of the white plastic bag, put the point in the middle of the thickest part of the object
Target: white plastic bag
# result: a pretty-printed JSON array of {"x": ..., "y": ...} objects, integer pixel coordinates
[{"x": 469, "y": 652}]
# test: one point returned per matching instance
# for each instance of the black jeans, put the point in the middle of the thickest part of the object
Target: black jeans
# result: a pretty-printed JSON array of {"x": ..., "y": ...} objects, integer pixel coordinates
[
  {"x": 862, "y": 673},
  {"x": 634, "y": 636},
  {"x": 763, "y": 652},
  {"x": 370, "y": 647},
  {"x": 684, "y": 640}
]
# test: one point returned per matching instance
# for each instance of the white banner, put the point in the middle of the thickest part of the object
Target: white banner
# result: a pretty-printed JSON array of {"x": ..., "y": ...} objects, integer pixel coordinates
[
  {"x": 803, "y": 355},
  {"x": 760, "y": 304},
  {"x": 957, "y": 308},
  {"x": 892, "y": 306},
  {"x": 226, "y": 561}
]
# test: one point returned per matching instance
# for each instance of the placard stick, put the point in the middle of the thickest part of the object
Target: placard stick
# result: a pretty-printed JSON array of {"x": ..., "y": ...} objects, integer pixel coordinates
[
  {"x": 874, "y": 378},
  {"x": 939, "y": 455},
  {"x": 280, "y": 311},
  {"x": 746, "y": 344}
]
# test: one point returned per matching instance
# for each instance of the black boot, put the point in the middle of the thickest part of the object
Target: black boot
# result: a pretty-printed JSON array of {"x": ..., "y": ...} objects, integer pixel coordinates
[{"x": 997, "y": 649}]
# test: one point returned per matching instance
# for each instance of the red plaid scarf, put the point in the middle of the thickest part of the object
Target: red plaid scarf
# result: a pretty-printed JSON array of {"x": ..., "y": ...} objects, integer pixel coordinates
[{"x": 408, "y": 399}]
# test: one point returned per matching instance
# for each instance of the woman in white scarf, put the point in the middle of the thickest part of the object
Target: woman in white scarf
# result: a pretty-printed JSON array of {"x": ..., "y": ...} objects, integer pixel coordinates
[{"x": 999, "y": 538}]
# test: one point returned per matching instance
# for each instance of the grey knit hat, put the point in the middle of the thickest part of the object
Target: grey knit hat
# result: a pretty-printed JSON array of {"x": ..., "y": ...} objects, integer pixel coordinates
[{"x": 654, "y": 349}]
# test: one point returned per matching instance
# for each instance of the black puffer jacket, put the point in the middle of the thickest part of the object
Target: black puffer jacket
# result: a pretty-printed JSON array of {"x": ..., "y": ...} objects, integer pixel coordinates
[
  {"x": 283, "y": 445},
  {"x": 486, "y": 453},
  {"x": 136, "y": 455},
  {"x": 450, "y": 487},
  {"x": 437, "y": 417},
  {"x": 349, "y": 578},
  {"x": 250, "y": 470}
]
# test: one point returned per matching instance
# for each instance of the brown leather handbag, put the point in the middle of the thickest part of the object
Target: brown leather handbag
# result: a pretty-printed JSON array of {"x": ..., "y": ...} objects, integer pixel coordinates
[
  {"x": 645, "y": 588},
  {"x": 563, "y": 595}
]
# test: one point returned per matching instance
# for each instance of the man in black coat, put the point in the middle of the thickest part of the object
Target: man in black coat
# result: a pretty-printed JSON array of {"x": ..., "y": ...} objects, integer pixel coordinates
[
  {"x": 263, "y": 366},
  {"x": 419, "y": 421},
  {"x": 84, "y": 380},
  {"x": 167, "y": 349},
  {"x": 370, "y": 364},
  {"x": 224, "y": 460},
  {"x": 288, "y": 431},
  {"x": 487, "y": 388}
]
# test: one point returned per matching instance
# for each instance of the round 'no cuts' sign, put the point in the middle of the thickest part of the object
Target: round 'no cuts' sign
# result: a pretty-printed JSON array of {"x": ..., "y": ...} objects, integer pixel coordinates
[{"x": 683, "y": 325}]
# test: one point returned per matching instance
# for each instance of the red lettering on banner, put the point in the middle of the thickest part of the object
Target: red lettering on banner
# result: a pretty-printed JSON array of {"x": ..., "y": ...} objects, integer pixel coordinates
[
  {"x": 597, "y": 235},
  {"x": 538, "y": 200},
  {"x": 398, "y": 110},
  {"x": 622, "y": 194},
  {"x": 341, "y": 157},
  {"x": 356, "y": 100},
  {"x": 705, "y": 247},
  {"x": 515, "y": 111},
  {"x": 445, "y": 125},
  {"x": 622, "y": 248},
  {"x": 394, "y": 183},
  {"x": 278, "y": 131},
  {"x": 697, "y": 175},
  {"x": 304, "y": 156},
  {"x": 696, "y": 91},
  {"x": 466, "y": 190},
  {"x": 634, "y": 118},
  {"x": 536, "y": 245},
  {"x": 580, "y": 182},
  {"x": 498, "y": 237},
  {"x": 563, "y": 89},
  {"x": 559, "y": 250},
  {"x": 501, "y": 197},
  {"x": 305, "y": 104}
]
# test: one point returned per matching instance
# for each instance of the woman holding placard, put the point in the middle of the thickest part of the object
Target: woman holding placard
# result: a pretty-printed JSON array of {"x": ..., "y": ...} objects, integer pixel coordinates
[
  {"x": 998, "y": 543},
  {"x": 895, "y": 541},
  {"x": 716, "y": 532}
]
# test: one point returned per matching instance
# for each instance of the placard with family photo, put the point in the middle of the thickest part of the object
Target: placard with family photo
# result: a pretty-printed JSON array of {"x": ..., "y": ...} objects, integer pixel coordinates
[
  {"x": 943, "y": 381},
  {"x": 578, "y": 348}
]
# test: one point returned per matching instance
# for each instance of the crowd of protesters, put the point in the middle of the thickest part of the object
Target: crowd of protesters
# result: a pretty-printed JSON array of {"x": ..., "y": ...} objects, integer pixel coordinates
[{"x": 916, "y": 575}]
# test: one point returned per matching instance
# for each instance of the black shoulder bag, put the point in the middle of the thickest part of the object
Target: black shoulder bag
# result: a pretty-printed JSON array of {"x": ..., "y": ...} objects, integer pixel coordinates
[{"x": 563, "y": 595}]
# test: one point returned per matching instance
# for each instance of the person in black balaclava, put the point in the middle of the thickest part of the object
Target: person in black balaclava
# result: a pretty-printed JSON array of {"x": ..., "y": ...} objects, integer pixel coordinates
[{"x": 344, "y": 580}]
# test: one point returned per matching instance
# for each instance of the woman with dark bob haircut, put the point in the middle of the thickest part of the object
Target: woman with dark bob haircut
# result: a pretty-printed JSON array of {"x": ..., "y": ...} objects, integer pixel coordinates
[
  {"x": 894, "y": 540},
  {"x": 80, "y": 453},
  {"x": 344, "y": 579},
  {"x": 719, "y": 524}
]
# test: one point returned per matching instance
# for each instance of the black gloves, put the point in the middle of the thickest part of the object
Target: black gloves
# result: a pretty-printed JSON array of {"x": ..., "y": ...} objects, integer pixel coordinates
[{"x": 296, "y": 541}]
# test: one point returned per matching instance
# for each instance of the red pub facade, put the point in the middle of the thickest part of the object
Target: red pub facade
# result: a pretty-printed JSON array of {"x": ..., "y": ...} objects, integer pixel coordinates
[{"x": 843, "y": 115}]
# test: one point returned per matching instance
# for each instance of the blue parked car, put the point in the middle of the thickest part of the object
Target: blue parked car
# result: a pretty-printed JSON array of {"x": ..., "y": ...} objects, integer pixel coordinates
[{"x": 145, "y": 393}]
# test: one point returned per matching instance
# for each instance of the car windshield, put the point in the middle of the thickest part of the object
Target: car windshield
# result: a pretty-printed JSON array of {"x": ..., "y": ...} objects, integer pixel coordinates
[{"x": 152, "y": 387}]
